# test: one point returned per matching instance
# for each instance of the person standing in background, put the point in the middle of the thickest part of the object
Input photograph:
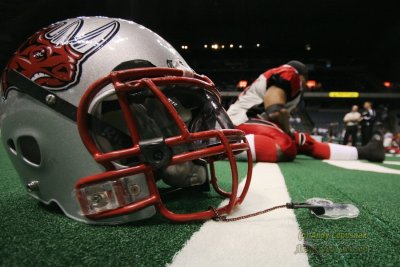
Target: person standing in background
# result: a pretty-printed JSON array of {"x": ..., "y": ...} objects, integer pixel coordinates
[
  {"x": 367, "y": 123},
  {"x": 351, "y": 120}
]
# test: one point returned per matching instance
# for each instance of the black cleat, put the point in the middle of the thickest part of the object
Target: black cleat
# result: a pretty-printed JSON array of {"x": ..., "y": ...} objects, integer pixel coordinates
[{"x": 374, "y": 150}]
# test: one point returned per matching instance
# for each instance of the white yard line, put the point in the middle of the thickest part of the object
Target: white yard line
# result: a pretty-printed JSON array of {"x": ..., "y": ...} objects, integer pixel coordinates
[
  {"x": 361, "y": 166},
  {"x": 393, "y": 155},
  {"x": 267, "y": 240},
  {"x": 392, "y": 162}
]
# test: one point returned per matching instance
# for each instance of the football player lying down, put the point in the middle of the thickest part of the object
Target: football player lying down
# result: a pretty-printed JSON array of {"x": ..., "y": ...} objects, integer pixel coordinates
[{"x": 269, "y": 133}]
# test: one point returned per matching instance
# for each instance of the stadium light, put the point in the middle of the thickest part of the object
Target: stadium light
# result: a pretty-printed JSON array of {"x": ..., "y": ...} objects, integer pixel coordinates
[
  {"x": 222, "y": 46},
  {"x": 387, "y": 84},
  {"x": 231, "y": 46},
  {"x": 215, "y": 46},
  {"x": 240, "y": 46},
  {"x": 311, "y": 84},
  {"x": 242, "y": 84},
  {"x": 205, "y": 46},
  {"x": 258, "y": 45}
]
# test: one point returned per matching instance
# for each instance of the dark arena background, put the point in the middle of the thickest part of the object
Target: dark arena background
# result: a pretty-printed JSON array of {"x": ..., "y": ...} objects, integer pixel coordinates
[
  {"x": 349, "y": 46},
  {"x": 352, "y": 51}
]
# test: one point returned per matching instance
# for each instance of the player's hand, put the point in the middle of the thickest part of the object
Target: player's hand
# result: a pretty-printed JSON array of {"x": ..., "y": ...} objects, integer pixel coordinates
[{"x": 281, "y": 118}]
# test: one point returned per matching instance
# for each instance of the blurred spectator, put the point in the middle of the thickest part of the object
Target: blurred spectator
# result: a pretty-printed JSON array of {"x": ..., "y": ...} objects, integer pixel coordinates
[
  {"x": 388, "y": 139},
  {"x": 333, "y": 132},
  {"x": 367, "y": 123},
  {"x": 351, "y": 120},
  {"x": 382, "y": 118},
  {"x": 390, "y": 143}
]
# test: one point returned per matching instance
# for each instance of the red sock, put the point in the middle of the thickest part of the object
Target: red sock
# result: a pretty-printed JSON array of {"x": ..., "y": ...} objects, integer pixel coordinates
[{"x": 309, "y": 146}]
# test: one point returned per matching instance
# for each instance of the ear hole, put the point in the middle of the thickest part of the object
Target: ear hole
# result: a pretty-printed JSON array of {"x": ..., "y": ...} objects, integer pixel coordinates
[
  {"x": 11, "y": 146},
  {"x": 30, "y": 150}
]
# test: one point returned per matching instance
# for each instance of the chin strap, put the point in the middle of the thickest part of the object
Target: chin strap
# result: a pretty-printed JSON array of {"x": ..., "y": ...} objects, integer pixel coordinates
[{"x": 319, "y": 210}]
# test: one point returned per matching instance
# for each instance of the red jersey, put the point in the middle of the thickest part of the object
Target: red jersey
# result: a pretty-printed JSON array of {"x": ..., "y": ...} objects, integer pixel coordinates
[{"x": 285, "y": 77}]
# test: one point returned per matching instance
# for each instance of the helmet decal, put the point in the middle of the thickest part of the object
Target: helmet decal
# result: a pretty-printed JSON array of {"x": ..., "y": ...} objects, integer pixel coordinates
[{"x": 53, "y": 56}]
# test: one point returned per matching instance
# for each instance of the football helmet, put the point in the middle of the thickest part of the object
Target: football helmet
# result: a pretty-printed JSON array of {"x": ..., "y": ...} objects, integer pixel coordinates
[{"x": 96, "y": 112}]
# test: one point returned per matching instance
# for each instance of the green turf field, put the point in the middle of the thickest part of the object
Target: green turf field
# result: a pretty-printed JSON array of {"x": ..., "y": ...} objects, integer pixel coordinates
[
  {"x": 35, "y": 235},
  {"x": 372, "y": 239}
]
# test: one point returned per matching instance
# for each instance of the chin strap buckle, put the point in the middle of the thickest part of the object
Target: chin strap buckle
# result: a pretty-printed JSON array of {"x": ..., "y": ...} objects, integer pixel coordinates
[{"x": 155, "y": 152}]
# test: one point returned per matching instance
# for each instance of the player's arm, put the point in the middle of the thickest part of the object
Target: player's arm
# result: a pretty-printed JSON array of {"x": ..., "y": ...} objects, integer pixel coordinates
[{"x": 275, "y": 111}]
